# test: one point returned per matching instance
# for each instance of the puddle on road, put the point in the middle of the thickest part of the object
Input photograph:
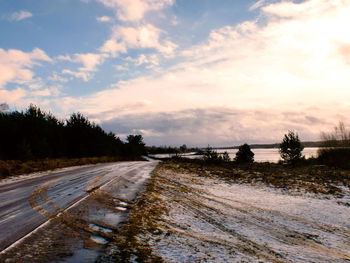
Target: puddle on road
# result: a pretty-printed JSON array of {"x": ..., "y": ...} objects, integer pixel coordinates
[
  {"x": 99, "y": 240},
  {"x": 83, "y": 256},
  {"x": 113, "y": 218},
  {"x": 100, "y": 228}
]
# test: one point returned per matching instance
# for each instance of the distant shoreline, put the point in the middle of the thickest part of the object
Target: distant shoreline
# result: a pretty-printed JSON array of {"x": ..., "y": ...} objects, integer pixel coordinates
[{"x": 270, "y": 146}]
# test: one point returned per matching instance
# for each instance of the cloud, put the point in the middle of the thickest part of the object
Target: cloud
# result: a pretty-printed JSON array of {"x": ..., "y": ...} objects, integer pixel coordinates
[
  {"x": 46, "y": 92},
  {"x": 56, "y": 78},
  {"x": 113, "y": 48},
  {"x": 65, "y": 58},
  {"x": 21, "y": 15},
  {"x": 257, "y": 5},
  {"x": 135, "y": 10},
  {"x": 104, "y": 19},
  {"x": 121, "y": 68},
  {"x": 86, "y": 76},
  {"x": 13, "y": 96},
  {"x": 289, "y": 70},
  {"x": 144, "y": 36},
  {"x": 151, "y": 60},
  {"x": 90, "y": 61},
  {"x": 219, "y": 126},
  {"x": 15, "y": 65}
]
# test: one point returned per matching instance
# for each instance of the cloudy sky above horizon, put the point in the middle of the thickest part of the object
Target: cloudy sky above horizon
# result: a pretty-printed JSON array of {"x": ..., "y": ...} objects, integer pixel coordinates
[{"x": 181, "y": 71}]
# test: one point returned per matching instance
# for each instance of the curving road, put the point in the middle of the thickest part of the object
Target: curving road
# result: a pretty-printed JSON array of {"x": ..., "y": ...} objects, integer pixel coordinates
[{"x": 64, "y": 188}]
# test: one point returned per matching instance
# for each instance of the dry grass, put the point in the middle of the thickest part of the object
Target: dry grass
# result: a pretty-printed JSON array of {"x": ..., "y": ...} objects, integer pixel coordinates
[
  {"x": 16, "y": 167},
  {"x": 150, "y": 222},
  {"x": 317, "y": 180},
  {"x": 129, "y": 244}
]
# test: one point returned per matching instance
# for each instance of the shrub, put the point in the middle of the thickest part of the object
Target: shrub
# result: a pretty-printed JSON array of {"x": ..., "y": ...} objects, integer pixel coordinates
[
  {"x": 335, "y": 157},
  {"x": 244, "y": 154},
  {"x": 336, "y": 147},
  {"x": 211, "y": 156},
  {"x": 225, "y": 157},
  {"x": 340, "y": 137}
]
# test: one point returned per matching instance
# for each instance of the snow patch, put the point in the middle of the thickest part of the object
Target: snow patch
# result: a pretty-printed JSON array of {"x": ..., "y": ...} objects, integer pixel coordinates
[
  {"x": 100, "y": 228},
  {"x": 120, "y": 208},
  {"x": 99, "y": 240},
  {"x": 213, "y": 221}
]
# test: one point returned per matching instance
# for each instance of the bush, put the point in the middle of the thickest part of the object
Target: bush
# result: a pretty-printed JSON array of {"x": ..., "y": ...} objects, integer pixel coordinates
[
  {"x": 225, "y": 157},
  {"x": 210, "y": 156},
  {"x": 244, "y": 154},
  {"x": 4, "y": 170},
  {"x": 335, "y": 157},
  {"x": 291, "y": 148},
  {"x": 336, "y": 147},
  {"x": 340, "y": 137}
]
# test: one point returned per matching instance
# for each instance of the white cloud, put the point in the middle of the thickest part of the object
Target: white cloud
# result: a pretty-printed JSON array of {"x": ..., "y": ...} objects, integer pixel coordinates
[
  {"x": 144, "y": 36},
  {"x": 52, "y": 91},
  {"x": 113, "y": 48},
  {"x": 122, "y": 68},
  {"x": 21, "y": 15},
  {"x": 56, "y": 78},
  {"x": 257, "y": 5},
  {"x": 65, "y": 58},
  {"x": 296, "y": 61},
  {"x": 135, "y": 10},
  {"x": 86, "y": 76},
  {"x": 141, "y": 60},
  {"x": 151, "y": 59},
  {"x": 15, "y": 65},
  {"x": 13, "y": 96},
  {"x": 90, "y": 61},
  {"x": 104, "y": 19}
]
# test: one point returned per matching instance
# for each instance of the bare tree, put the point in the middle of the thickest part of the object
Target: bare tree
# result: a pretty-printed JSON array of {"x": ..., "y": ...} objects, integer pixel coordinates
[{"x": 340, "y": 137}]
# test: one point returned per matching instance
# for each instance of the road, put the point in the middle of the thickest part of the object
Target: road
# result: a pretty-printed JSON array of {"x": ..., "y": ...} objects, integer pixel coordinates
[{"x": 26, "y": 203}]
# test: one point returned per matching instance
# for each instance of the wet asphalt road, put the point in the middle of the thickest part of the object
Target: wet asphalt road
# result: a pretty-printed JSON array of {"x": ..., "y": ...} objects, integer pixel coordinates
[{"x": 63, "y": 187}]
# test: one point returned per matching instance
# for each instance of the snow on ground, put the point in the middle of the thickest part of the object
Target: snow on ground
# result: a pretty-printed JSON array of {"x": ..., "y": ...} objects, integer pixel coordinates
[{"x": 210, "y": 220}]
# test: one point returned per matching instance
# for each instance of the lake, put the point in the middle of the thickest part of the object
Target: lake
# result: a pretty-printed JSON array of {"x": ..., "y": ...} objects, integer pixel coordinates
[
  {"x": 270, "y": 154},
  {"x": 261, "y": 155}
]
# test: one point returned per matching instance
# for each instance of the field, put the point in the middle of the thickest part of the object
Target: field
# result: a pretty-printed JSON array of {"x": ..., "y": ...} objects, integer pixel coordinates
[{"x": 192, "y": 212}]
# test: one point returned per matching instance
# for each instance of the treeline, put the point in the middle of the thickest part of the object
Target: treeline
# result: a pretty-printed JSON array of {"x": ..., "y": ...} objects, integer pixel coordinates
[
  {"x": 35, "y": 134},
  {"x": 170, "y": 150}
]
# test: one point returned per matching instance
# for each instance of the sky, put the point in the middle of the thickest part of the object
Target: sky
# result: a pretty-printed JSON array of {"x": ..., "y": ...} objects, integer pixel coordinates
[{"x": 193, "y": 72}]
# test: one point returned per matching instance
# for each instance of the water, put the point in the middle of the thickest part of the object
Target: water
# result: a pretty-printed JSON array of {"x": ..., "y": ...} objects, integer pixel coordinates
[
  {"x": 83, "y": 256},
  {"x": 271, "y": 154},
  {"x": 260, "y": 155}
]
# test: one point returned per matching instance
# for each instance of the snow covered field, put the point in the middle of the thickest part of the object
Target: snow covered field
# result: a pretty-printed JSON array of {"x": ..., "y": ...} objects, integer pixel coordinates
[{"x": 210, "y": 220}]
